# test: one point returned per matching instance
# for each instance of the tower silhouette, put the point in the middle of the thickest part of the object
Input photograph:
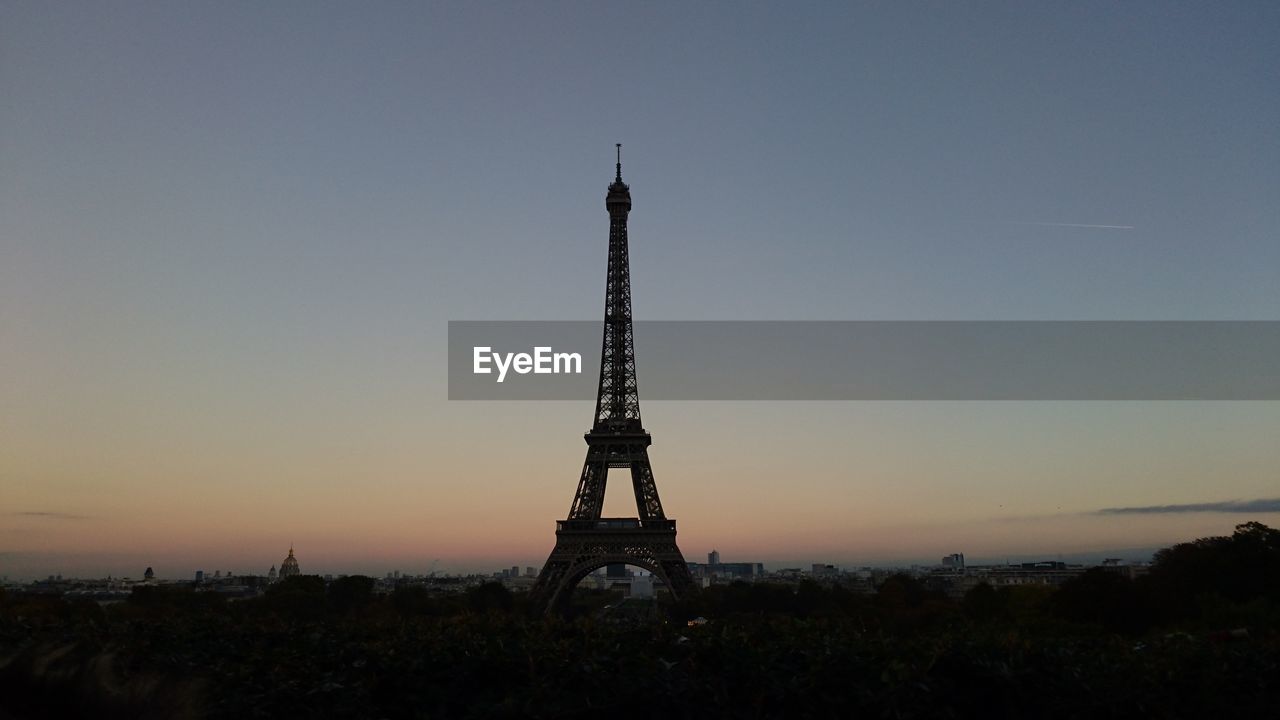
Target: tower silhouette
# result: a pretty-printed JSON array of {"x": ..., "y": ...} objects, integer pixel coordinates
[{"x": 585, "y": 541}]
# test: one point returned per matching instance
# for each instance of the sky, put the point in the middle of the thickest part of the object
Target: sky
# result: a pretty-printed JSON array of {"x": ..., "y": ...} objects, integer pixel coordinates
[{"x": 232, "y": 236}]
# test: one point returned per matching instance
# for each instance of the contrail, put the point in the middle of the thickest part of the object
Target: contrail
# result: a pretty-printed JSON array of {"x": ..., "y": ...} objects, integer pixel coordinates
[
  {"x": 50, "y": 515},
  {"x": 1074, "y": 225},
  {"x": 1265, "y": 505}
]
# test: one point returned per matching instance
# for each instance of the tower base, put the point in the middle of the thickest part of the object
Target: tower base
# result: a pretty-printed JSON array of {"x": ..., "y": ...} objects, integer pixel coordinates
[{"x": 583, "y": 546}]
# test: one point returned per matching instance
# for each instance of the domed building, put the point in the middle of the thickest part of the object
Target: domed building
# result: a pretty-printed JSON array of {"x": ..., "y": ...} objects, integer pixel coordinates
[
  {"x": 271, "y": 574},
  {"x": 289, "y": 567}
]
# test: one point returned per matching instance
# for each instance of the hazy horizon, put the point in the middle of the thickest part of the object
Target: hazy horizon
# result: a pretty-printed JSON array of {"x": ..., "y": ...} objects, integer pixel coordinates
[
  {"x": 88, "y": 565},
  {"x": 310, "y": 566}
]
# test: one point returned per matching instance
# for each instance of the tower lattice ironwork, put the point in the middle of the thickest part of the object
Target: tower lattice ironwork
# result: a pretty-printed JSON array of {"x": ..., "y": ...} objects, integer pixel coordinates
[{"x": 585, "y": 541}]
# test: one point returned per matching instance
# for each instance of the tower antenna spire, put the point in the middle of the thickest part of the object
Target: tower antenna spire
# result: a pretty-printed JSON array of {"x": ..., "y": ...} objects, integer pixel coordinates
[{"x": 619, "y": 146}]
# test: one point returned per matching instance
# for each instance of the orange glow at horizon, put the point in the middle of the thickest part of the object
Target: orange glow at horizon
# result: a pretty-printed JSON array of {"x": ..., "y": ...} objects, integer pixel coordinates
[{"x": 849, "y": 483}]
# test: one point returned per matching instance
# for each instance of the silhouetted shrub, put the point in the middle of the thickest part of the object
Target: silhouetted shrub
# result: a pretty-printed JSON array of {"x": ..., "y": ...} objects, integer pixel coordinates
[
  {"x": 350, "y": 593},
  {"x": 299, "y": 597},
  {"x": 1104, "y": 598},
  {"x": 412, "y": 600},
  {"x": 900, "y": 592},
  {"x": 1242, "y": 568},
  {"x": 489, "y": 597},
  {"x": 984, "y": 604},
  {"x": 906, "y": 605}
]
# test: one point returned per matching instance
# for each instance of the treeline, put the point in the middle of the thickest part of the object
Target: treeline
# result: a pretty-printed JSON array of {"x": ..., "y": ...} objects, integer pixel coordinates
[
  {"x": 1100, "y": 646},
  {"x": 1211, "y": 583},
  {"x": 1218, "y": 582},
  {"x": 1215, "y": 583}
]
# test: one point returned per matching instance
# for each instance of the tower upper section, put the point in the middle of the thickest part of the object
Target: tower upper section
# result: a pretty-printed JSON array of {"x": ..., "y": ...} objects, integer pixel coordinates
[
  {"x": 618, "y": 201},
  {"x": 618, "y": 401}
]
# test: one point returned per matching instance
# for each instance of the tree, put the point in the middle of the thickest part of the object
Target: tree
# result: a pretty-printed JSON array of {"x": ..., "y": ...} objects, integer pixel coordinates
[
  {"x": 350, "y": 593},
  {"x": 1241, "y": 568},
  {"x": 1105, "y": 598},
  {"x": 489, "y": 597},
  {"x": 900, "y": 592},
  {"x": 410, "y": 600},
  {"x": 303, "y": 584},
  {"x": 298, "y": 597},
  {"x": 984, "y": 603}
]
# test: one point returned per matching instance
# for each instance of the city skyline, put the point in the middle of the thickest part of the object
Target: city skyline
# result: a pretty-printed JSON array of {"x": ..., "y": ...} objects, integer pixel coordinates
[
  {"x": 1135, "y": 556},
  {"x": 232, "y": 241}
]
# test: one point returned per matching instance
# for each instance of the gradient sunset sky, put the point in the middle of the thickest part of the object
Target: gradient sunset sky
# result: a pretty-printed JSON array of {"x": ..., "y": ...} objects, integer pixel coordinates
[{"x": 232, "y": 234}]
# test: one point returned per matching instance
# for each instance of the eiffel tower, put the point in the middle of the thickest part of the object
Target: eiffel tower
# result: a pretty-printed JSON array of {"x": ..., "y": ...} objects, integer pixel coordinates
[{"x": 585, "y": 541}]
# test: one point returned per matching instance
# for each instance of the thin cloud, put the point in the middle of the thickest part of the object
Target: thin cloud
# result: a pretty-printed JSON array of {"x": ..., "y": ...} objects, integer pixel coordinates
[
  {"x": 1270, "y": 505},
  {"x": 51, "y": 515},
  {"x": 1070, "y": 225}
]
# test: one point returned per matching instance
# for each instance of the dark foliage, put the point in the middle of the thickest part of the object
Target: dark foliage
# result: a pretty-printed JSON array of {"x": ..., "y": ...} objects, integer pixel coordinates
[
  {"x": 1092, "y": 649},
  {"x": 985, "y": 604},
  {"x": 1104, "y": 598},
  {"x": 490, "y": 597},
  {"x": 350, "y": 593},
  {"x": 1242, "y": 568}
]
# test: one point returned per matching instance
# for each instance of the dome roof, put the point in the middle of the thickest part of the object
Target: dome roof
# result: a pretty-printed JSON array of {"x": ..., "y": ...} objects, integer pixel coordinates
[{"x": 290, "y": 565}]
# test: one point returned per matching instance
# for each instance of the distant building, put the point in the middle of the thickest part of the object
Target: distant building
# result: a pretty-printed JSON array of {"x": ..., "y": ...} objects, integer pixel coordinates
[
  {"x": 955, "y": 561},
  {"x": 271, "y": 574},
  {"x": 1048, "y": 572},
  {"x": 1124, "y": 569},
  {"x": 199, "y": 576},
  {"x": 713, "y": 557},
  {"x": 289, "y": 567},
  {"x": 149, "y": 574},
  {"x": 736, "y": 571}
]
